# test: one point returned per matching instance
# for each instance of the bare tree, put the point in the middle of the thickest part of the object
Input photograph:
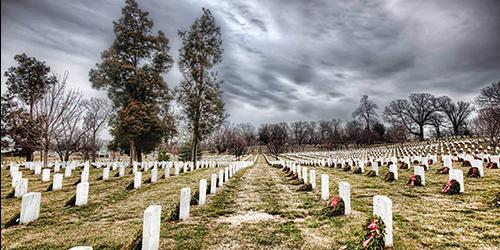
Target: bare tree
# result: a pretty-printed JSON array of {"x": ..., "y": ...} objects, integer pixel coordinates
[
  {"x": 299, "y": 132},
  {"x": 489, "y": 96},
  {"x": 247, "y": 130},
  {"x": 488, "y": 125},
  {"x": 313, "y": 133},
  {"x": 367, "y": 113},
  {"x": 437, "y": 122},
  {"x": 237, "y": 144},
  {"x": 97, "y": 113},
  {"x": 397, "y": 133},
  {"x": 457, "y": 114},
  {"x": 414, "y": 113},
  {"x": 330, "y": 134},
  {"x": 49, "y": 114},
  {"x": 278, "y": 139}
]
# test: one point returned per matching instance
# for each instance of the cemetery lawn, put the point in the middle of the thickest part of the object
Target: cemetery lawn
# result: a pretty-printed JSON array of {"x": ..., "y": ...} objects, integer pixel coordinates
[
  {"x": 112, "y": 218},
  {"x": 258, "y": 208},
  {"x": 261, "y": 208}
]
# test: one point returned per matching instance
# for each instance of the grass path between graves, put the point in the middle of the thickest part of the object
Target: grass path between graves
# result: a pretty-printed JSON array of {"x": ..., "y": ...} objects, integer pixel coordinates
[
  {"x": 112, "y": 219},
  {"x": 258, "y": 209}
]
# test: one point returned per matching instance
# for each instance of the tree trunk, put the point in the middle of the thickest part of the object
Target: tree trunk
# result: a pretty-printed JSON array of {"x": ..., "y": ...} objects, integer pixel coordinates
[
  {"x": 421, "y": 133},
  {"x": 194, "y": 145},
  {"x": 455, "y": 130},
  {"x": 29, "y": 154},
  {"x": 132, "y": 152},
  {"x": 139, "y": 154},
  {"x": 45, "y": 156}
]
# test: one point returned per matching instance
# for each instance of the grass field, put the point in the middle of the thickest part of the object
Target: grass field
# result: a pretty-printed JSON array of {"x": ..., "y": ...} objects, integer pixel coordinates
[{"x": 260, "y": 208}]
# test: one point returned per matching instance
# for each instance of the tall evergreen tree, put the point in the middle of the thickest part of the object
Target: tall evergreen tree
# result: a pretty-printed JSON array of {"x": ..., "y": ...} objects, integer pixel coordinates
[
  {"x": 131, "y": 71},
  {"x": 200, "y": 92}
]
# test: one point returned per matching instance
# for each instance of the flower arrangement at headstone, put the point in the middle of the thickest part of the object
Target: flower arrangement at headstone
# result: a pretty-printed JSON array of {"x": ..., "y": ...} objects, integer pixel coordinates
[
  {"x": 339, "y": 165},
  {"x": 473, "y": 172},
  {"x": 404, "y": 165},
  {"x": 430, "y": 162},
  {"x": 347, "y": 168},
  {"x": 443, "y": 170},
  {"x": 195, "y": 198},
  {"x": 492, "y": 165},
  {"x": 373, "y": 237},
  {"x": 415, "y": 180},
  {"x": 451, "y": 187},
  {"x": 466, "y": 163},
  {"x": 357, "y": 170},
  {"x": 335, "y": 207},
  {"x": 390, "y": 177},
  {"x": 371, "y": 173}
]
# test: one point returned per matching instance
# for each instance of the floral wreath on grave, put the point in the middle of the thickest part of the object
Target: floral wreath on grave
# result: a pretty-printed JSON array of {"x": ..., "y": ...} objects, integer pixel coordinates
[
  {"x": 339, "y": 165},
  {"x": 404, "y": 166},
  {"x": 347, "y": 168},
  {"x": 295, "y": 176},
  {"x": 374, "y": 234},
  {"x": 492, "y": 165},
  {"x": 444, "y": 170},
  {"x": 451, "y": 187},
  {"x": 357, "y": 170},
  {"x": 335, "y": 207},
  {"x": 415, "y": 180},
  {"x": 390, "y": 176},
  {"x": 466, "y": 163},
  {"x": 372, "y": 173},
  {"x": 416, "y": 162},
  {"x": 473, "y": 172},
  {"x": 430, "y": 161}
]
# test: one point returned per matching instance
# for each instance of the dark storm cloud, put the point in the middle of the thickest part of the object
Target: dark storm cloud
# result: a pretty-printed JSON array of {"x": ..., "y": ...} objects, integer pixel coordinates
[{"x": 287, "y": 60}]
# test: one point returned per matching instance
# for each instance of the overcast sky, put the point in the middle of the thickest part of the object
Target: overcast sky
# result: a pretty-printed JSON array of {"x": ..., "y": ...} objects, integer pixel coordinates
[{"x": 286, "y": 60}]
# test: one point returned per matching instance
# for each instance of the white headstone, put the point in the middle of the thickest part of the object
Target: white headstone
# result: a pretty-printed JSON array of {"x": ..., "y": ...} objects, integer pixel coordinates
[
  {"x": 325, "y": 189},
  {"x": 375, "y": 167},
  {"x": 21, "y": 187},
  {"x": 16, "y": 176},
  {"x": 479, "y": 165},
  {"x": 345, "y": 194},
  {"x": 85, "y": 176},
  {"x": 176, "y": 170},
  {"x": 221, "y": 178},
  {"x": 213, "y": 183},
  {"x": 137, "y": 180},
  {"x": 30, "y": 207},
  {"x": 121, "y": 171},
  {"x": 38, "y": 169},
  {"x": 105, "y": 173},
  {"x": 202, "y": 191},
  {"x": 420, "y": 171},
  {"x": 154, "y": 175},
  {"x": 67, "y": 172},
  {"x": 184, "y": 203},
  {"x": 362, "y": 166},
  {"x": 46, "y": 175},
  {"x": 81, "y": 248},
  {"x": 167, "y": 172},
  {"x": 82, "y": 194},
  {"x": 151, "y": 228},
  {"x": 382, "y": 206},
  {"x": 57, "y": 182},
  {"x": 312, "y": 178},
  {"x": 57, "y": 167},
  {"x": 226, "y": 174},
  {"x": 304, "y": 174},
  {"x": 14, "y": 168},
  {"x": 458, "y": 175},
  {"x": 394, "y": 169}
]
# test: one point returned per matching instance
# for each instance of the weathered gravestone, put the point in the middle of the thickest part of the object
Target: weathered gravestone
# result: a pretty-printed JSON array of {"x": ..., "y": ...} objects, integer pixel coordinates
[
  {"x": 382, "y": 206},
  {"x": 21, "y": 187},
  {"x": 325, "y": 190},
  {"x": 46, "y": 175},
  {"x": 394, "y": 169},
  {"x": 57, "y": 182},
  {"x": 458, "y": 175},
  {"x": 105, "y": 173},
  {"x": 421, "y": 172},
  {"x": 137, "y": 180},
  {"x": 16, "y": 176},
  {"x": 82, "y": 194},
  {"x": 312, "y": 178},
  {"x": 154, "y": 175},
  {"x": 202, "y": 192},
  {"x": 213, "y": 183},
  {"x": 30, "y": 207},
  {"x": 151, "y": 228},
  {"x": 221, "y": 178},
  {"x": 184, "y": 203},
  {"x": 345, "y": 194}
]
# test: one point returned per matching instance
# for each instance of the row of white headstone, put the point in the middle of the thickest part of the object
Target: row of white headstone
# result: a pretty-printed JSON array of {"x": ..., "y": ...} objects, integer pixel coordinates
[
  {"x": 382, "y": 205},
  {"x": 152, "y": 215}
]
